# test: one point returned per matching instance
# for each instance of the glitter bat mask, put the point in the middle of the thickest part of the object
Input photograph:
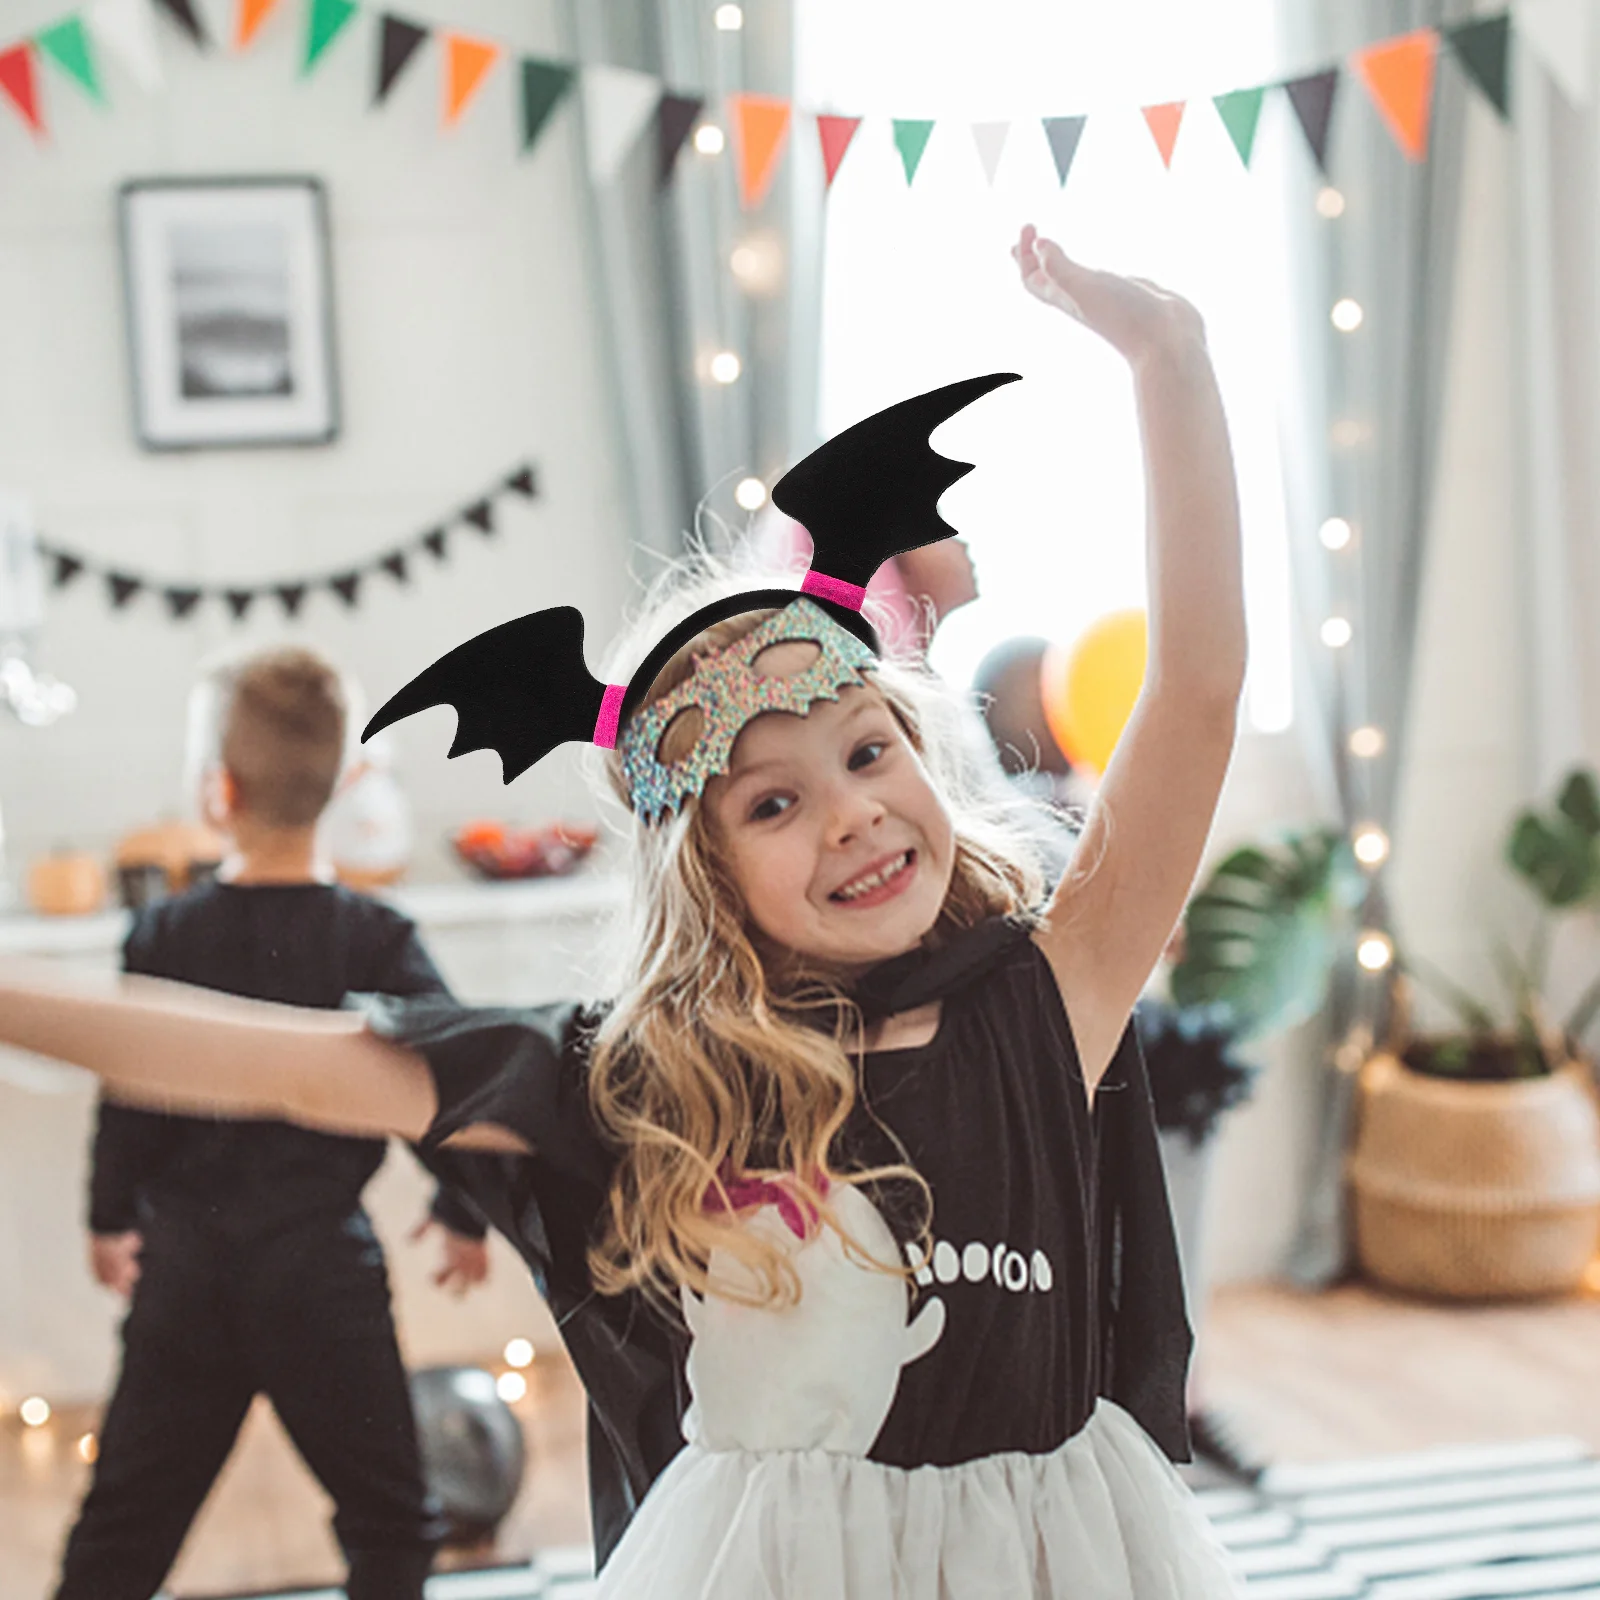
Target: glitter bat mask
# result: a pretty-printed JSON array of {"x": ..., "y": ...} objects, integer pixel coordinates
[
  {"x": 728, "y": 689},
  {"x": 868, "y": 494}
]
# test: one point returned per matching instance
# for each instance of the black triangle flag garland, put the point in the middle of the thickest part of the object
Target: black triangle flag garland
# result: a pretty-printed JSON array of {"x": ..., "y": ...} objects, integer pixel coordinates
[
  {"x": 182, "y": 12},
  {"x": 398, "y": 43},
  {"x": 183, "y": 599},
  {"x": 675, "y": 120},
  {"x": 1398, "y": 74}
]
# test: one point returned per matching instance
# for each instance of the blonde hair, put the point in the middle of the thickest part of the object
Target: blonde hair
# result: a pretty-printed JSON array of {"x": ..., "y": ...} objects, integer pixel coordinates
[{"x": 716, "y": 1062}]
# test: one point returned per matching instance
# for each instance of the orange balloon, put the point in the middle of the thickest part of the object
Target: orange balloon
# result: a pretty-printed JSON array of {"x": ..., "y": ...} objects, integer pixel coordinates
[{"x": 1088, "y": 703}]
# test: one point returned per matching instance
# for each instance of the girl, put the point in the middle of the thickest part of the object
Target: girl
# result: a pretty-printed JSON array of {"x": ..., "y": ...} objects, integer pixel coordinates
[{"x": 854, "y": 1187}]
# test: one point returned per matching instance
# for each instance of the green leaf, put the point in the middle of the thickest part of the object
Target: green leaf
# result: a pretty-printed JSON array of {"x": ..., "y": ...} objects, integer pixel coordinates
[
  {"x": 1558, "y": 852},
  {"x": 1262, "y": 936},
  {"x": 1580, "y": 802}
]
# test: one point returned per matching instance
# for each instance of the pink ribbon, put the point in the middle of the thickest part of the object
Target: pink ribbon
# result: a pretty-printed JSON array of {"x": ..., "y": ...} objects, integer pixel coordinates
[
  {"x": 605, "y": 725},
  {"x": 835, "y": 589},
  {"x": 750, "y": 1194}
]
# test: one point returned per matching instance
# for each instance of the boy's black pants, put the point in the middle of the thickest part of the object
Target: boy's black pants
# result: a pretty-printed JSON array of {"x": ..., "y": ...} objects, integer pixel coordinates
[{"x": 301, "y": 1316}]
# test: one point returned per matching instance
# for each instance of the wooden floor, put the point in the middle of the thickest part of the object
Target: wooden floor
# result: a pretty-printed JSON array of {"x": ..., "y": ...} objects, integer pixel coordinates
[{"x": 1304, "y": 1377}]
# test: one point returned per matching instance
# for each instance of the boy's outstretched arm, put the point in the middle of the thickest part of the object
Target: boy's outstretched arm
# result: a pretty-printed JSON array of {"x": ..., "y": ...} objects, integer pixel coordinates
[
  {"x": 1146, "y": 831},
  {"x": 178, "y": 1048}
]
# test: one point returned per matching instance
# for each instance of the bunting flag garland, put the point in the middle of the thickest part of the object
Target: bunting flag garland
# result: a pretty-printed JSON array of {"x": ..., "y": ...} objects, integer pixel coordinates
[
  {"x": 1312, "y": 100},
  {"x": 835, "y": 134},
  {"x": 990, "y": 138},
  {"x": 251, "y": 14},
  {"x": 183, "y": 599},
  {"x": 182, "y": 12},
  {"x": 466, "y": 64},
  {"x": 761, "y": 127},
  {"x": 1398, "y": 74},
  {"x": 1241, "y": 113},
  {"x": 18, "y": 84},
  {"x": 1164, "y": 122},
  {"x": 675, "y": 119},
  {"x": 544, "y": 86},
  {"x": 1484, "y": 51},
  {"x": 617, "y": 101},
  {"x": 325, "y": 21},
  {"x": 126, "y": 29},
  {"x": 1561, "y": 34},
  {"x": 398, "y": 43},
  {"x": 911, "y": 140},
  {"x": 1063, "y": 134},
  {"x": 67, "y": 44}
]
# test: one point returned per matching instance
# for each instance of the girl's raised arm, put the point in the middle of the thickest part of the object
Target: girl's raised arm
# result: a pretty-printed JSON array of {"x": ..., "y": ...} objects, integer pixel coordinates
[
  {"x": 1141, "y": 847},
  {"x": 178, "y": 1048}
]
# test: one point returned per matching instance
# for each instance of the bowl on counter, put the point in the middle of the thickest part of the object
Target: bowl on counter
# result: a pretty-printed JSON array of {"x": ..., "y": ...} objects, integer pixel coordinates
[{"x": 504, "y": 850}]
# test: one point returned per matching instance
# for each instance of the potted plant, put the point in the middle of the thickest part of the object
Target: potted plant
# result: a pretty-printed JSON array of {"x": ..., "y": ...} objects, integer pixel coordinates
[{"x": 1476, "y": 1170}]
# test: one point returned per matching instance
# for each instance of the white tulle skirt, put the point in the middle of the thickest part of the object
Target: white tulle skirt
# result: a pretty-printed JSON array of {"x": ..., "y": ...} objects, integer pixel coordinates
[{"x": 1104, "y": 1517}]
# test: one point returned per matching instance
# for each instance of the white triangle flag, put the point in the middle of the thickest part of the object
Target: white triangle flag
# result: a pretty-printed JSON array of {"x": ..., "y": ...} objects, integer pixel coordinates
[
  {"x": 616, "y": 104},
  {"x": 127, "y": 30},
  {"x": 990, "y": 138},
  {"x": 1561, "y": 34}
]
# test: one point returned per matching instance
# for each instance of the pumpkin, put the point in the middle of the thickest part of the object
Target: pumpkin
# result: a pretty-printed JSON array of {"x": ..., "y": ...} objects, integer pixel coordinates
[
  {"x": 177, "y": 848},
  {"x": 66, "y": 883}
]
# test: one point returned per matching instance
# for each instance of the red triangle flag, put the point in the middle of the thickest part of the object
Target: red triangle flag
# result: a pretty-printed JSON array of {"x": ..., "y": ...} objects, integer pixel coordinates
[
  {"x": 1398, "y": 74},
  {"x": 19, "y": 85},
  {"x": 1164, "y": 122},
  {"x": 835, "y": 134}
]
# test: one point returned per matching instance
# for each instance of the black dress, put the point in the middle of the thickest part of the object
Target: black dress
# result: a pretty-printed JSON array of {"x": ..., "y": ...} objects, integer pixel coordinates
[{"x": 1053, "y": 1249}]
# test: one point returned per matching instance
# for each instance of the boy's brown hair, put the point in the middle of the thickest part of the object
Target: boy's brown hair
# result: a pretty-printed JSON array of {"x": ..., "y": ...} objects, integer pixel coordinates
[{"x": 283, "y": 731}]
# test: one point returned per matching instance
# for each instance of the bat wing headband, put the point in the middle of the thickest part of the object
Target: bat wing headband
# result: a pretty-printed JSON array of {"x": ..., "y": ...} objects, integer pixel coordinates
[{"x": 869, "y": 493}]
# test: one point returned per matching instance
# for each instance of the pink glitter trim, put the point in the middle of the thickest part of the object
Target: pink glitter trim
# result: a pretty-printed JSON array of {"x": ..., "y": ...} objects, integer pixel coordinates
[
  {"x": 605, "y": 725},
  {"x": 835, "y": 589},
  {"x": 747, "y": 1194}
]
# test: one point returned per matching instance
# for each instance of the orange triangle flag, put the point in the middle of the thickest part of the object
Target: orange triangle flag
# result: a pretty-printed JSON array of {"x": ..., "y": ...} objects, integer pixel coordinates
[
  {"x": 1399, "y": 76},
  {"x": 252, "y": 13},
  {"x": 466, "y": 65},
  {"x": 1164, "y": 122},
  {"x": 761, "y": 122}
]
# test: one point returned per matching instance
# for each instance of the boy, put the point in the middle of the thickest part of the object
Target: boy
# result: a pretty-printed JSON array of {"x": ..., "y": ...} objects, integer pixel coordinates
[{"x": 251, "y": 1264}]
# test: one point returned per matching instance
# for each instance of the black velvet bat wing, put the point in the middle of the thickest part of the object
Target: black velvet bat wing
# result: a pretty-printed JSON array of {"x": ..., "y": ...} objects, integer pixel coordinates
[
  {"x": 519, "y": 690},
  {"x": 873, "y": 491}
]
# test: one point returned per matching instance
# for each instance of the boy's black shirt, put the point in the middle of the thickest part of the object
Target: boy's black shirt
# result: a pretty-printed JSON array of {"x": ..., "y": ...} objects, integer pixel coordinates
[{"x": 301, "y": 944}]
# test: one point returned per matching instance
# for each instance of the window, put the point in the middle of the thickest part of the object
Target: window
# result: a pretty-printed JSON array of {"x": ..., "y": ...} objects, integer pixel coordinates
[{"x": 919, "y": 288}]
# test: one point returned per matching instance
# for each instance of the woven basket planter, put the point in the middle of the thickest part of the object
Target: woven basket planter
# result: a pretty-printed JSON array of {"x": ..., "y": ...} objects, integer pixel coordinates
[{"x": 1476, "y": 1190}]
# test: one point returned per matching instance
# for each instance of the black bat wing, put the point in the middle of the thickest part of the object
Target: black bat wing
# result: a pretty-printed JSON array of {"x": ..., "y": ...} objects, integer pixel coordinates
[
  {"x": 873, "y": 491},
  {"x": 519, "y": 689}
]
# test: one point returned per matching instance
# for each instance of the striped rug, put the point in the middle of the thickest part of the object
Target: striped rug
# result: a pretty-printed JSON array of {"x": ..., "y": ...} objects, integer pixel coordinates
[{"x": 1479, "y": 1522}]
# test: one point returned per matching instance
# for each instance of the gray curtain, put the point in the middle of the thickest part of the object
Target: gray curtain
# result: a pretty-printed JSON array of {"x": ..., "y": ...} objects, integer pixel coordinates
[
  {"x": 1361, "y": 438},
  {"x": 660, "y": 257}
]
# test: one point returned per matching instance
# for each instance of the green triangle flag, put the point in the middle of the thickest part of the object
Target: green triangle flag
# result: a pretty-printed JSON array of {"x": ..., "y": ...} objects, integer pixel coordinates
[
  {"x": 543, "y": 85},
  {"x": 911, "y": 139},
  {"x": 1240, "y": 112},
  {"x": 67, "y": 44},
  {"x": 326, "y": 22},
  {"x": 1483, "y": 48}
]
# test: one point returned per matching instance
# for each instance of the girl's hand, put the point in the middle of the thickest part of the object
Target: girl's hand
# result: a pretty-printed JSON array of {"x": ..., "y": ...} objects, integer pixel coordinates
[{"x": 1132, "y": 315}]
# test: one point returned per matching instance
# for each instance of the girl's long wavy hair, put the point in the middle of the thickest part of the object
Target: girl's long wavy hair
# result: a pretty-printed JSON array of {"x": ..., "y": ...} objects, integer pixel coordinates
[{"x": 721, "y": 1060}]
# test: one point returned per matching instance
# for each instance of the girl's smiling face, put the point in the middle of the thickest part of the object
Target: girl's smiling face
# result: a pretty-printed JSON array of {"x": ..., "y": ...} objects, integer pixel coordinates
[{"x": 833, "y": 831}]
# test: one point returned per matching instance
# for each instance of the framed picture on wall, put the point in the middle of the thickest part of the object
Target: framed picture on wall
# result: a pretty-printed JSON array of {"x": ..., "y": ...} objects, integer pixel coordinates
[{"x": 230, "y": 312}]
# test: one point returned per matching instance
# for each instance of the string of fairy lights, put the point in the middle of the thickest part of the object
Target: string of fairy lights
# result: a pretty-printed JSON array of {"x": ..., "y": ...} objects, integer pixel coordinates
[{"x": 1340, "y": 537}]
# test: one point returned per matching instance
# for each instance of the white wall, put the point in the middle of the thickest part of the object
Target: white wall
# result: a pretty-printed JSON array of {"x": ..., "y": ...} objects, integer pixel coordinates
[{"x": 467, "y": 341}]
